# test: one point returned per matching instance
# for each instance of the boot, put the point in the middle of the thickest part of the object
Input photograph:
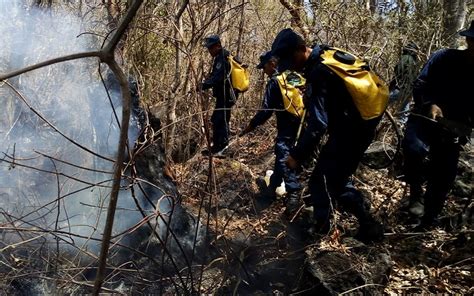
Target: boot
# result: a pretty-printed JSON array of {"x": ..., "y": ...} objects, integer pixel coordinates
[
  {"x": 268, "y": 194},
  {"x": 370, "y": 230},
  {"x": 417, "y": 206},
  {"x": 320, "y": 227},
  {"x": 293, "y": 204},
  {"x": 261, "y": 184}
]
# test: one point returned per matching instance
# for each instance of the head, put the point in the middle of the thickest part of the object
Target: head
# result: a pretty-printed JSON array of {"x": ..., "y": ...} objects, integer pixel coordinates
[
  {"x": 411, "y": 49},
  {"x": 270, "y": 67},
  {"x": 213, "y": 44},
  {"x": 291, "y": 50},
  {"x": 268, "y": 63}
]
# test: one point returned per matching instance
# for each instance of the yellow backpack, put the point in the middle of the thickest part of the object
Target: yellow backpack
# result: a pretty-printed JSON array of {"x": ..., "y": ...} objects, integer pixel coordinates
[
  {"x": 291, "y": 87},
  {"x": 239, "y": 75},
  {"x": 369, "y": 93}
]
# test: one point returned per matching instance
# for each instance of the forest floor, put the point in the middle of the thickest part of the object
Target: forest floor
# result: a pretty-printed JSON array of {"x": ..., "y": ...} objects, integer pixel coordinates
[{"x": 261, "y": 252}]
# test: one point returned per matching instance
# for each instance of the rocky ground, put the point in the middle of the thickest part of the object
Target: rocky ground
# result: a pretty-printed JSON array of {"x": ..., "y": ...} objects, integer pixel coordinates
[
  {"x": 246, "y": 245},
  {"x": 259, "y": 251}
]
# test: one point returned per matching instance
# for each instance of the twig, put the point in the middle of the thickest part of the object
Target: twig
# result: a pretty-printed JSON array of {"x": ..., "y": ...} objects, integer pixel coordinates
[{"x": 360, "y": 287}]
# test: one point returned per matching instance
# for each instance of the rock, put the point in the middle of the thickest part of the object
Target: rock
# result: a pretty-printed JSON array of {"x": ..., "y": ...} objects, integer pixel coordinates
[
  {"x": 364, "y": 270},
  {"x": 379, "y": 155}
]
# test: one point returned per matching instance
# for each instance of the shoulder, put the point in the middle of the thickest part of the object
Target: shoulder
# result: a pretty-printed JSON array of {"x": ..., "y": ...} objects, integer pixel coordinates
[
  {"x": 444, "y": 60},
  {"x": 225, "y": 53},
  {"x": 273, "y": 81},
  {"x": 446, "y": 54}
]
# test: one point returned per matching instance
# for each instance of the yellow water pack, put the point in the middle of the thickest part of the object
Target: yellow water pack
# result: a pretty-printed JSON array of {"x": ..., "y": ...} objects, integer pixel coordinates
[
  {"x": 368, "y": 91},
  {"x": 239, "y": 75},
  {"x": 291, "y": 85}
]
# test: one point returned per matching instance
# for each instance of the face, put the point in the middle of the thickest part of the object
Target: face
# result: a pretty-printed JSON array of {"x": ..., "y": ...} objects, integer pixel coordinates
[
  {"x": 270, "y": 67},
  {"x": 214, "y": 49},
  {"x": 300, "y": 56}
]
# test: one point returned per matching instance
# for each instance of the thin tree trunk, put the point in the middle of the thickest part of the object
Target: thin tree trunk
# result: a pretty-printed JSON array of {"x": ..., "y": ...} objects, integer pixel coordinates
[
  {"x": 296, "y": 18},
  {"x": 454, "y": 16},
  {"x": 241, "y": 27},
  {"x": 173, "y": 94}
]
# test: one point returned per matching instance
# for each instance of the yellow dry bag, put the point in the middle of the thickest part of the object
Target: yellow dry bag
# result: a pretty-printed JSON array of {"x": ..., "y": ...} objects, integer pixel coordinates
[
  {"x": 368, "y": 91},
  {"x": 291, "y": 87},
  {"x": 239, "y": 75}
]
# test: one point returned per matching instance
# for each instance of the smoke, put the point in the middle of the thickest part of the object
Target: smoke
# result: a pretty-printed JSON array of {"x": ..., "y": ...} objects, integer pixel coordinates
[{"x": 48, "y": 182}]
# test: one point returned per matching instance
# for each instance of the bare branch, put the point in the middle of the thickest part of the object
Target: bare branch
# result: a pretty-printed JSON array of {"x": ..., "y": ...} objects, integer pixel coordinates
[{"x": 296, "y": 17}]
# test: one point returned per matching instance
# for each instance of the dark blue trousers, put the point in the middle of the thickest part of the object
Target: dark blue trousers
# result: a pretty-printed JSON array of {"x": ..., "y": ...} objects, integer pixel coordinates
[
  {"x": 221, "y": 117},
  {"x": 220, "y": 126},
  {"x": 281, "y": 170},
  {"x": 424, "y": 139},
  {"x": 330, "y": 184}
]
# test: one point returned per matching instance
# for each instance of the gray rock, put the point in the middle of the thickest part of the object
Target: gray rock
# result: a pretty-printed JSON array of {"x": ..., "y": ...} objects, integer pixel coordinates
[{"x": 363, "y": 270}]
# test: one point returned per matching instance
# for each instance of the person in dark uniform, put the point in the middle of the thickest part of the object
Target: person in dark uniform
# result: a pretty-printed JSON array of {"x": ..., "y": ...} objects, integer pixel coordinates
[
  {"x": 442, "y": 91},
  {"x": 287, "y": 129},
  {"x": 401, "y": 87},
  {"x": 222, "y": 90},
  {"x": 330, "y": 110}
]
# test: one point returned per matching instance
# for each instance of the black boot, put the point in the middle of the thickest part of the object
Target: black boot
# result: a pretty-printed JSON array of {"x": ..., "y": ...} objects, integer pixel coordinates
[
  {"x": 293, "y": 204},
  {"x": 370, "y": 230},
  {"x": 416, "y": 206},
  {"x": 320, "y": 227}
]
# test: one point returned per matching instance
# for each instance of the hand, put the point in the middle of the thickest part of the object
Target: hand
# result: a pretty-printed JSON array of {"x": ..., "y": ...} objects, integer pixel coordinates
[
  {"x": 435, "y": 111},
  {"x": 291, "y": 162}
]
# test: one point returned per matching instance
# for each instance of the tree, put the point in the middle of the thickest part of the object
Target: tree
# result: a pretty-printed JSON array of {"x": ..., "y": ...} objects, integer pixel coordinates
[{"x": 454, "y": 17}]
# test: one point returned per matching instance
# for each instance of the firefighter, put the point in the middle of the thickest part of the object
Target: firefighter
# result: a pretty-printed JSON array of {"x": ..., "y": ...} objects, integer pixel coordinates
[
  {"x": 287, "y": 129},
  {"x": 223, "y": 92},
  {"x": 331, "y": 110},
  {"x": 442, "y": 92}
]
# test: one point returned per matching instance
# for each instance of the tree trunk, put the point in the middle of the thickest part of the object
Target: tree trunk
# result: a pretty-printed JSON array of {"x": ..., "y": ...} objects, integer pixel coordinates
[
  {"x": 454, "y": 16},
  {"x": 241, "y": 28},
  {"x": 371, "y": 5},
  {"x": 173, "y": 92},
  {"x": 296, "y": 18}
]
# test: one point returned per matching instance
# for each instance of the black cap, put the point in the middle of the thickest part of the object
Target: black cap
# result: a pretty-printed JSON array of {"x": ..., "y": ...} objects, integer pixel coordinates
[
  {"x": 211, "y": 40},
  {"x": 468, "y": 32},
  {"x": 411, "y": 48},
  {"x": 284, "y": 45},
  {"x": 264, "y": 58},
  {"x": 286, "y": 42}
]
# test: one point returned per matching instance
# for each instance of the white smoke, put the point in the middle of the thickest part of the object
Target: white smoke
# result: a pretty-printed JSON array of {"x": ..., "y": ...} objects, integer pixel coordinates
[{"x": 71, "y": 97}]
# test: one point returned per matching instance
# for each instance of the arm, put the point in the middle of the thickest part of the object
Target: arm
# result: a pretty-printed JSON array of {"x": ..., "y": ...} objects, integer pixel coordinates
[
  {"x": 317, "y": 117},
  {"x": 270, "y": 102},
  {"x": 425, "y": 87},
  {"x": 220, "y": 67}
]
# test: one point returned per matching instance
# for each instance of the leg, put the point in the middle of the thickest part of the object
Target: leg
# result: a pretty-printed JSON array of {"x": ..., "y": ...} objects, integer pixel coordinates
[
  {"x": 443, "y": 167},
  {"x": 415, "y": 150},
  {"x": 281, "y": 170},
  {"x": 219, "y": 130},
  {"x": 292, "y": 186}
]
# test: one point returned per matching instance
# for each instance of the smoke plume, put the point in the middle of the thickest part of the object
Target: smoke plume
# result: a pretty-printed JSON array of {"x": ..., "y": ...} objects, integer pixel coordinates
[{"x": 48, "y": 181}]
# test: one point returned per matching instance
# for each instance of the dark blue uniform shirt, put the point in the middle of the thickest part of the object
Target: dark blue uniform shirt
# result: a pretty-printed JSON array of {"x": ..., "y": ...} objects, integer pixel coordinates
[
  {"x": 447, "y": 81},
  {"x": 287, "y": 124},
  {"x": 219, "y": 80}
]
